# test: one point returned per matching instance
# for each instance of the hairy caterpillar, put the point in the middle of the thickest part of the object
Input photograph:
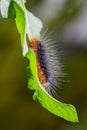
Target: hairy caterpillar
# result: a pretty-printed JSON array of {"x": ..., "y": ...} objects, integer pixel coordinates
[{"x": 48, "y": 64}]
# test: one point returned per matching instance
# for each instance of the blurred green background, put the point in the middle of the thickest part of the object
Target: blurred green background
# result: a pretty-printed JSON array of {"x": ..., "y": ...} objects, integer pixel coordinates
[{"x": 67, "y": 20}]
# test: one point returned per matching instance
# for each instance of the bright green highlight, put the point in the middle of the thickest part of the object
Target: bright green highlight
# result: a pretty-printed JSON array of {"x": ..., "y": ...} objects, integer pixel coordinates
[
  {"x": 20, "y": 21},
  {"x": 66, "y": 111},
  {"x": 31, "y": 71}
]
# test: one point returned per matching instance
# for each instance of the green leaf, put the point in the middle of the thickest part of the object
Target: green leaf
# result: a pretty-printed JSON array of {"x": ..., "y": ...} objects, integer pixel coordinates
[
  {"x": 20, "y": 21},
  {"x": 66, "y": 111},
  {"x": 11, "y": 11},
  {"x": 31, "y": 70},
  {"x": 29, "y": 25}
]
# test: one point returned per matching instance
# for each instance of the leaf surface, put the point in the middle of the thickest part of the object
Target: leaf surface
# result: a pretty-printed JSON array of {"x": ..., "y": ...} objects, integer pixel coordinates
[
  {"x": 66, "y": 111},
  {"x": 29, "y": 25}
]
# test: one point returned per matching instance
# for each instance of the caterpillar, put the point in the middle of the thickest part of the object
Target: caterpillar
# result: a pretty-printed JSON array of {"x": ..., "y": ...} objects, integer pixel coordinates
[{"x": 48, "y": 64}]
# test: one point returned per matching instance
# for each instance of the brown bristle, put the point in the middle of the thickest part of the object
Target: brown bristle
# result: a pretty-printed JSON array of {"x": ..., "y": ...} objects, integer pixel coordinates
[{"x": 41, "y": 73}]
